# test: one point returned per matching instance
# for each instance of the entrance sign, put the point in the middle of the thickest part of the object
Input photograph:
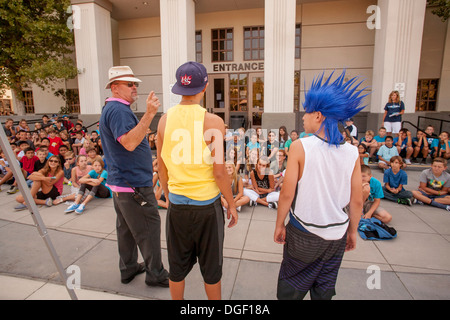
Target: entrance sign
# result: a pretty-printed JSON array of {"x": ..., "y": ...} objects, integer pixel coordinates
[{"x": 238, "y": 67}]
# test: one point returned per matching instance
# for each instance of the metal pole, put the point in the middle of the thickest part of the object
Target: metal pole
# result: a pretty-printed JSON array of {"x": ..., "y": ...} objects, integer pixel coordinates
[{"x": 38, "y": 222}]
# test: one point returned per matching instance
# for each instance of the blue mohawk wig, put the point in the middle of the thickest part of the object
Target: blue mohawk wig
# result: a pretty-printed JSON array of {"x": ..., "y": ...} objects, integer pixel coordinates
[{"x": 337, "y": 101}]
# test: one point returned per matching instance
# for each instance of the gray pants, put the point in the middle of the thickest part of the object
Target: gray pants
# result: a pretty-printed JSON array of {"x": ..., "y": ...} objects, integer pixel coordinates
[
  {"x": 139, "y": 227},
  {"x": 394, "y": 197}
]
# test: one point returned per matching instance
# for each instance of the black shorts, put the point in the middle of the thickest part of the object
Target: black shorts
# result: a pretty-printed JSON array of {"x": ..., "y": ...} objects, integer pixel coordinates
[
  {"x": 195, "y": 232},
  {"x": 52, "y": 194}
]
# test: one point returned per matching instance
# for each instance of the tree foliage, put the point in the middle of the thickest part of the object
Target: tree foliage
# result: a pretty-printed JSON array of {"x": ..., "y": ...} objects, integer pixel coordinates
[
  {"x": 441, "y": 8},
  {"x": 35, "y": 43}
]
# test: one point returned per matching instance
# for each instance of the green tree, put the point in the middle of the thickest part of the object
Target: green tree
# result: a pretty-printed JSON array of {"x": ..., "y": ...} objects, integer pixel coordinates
[
  {"x": 441, "y": 8},
  {"x": 35, "y": 44}
]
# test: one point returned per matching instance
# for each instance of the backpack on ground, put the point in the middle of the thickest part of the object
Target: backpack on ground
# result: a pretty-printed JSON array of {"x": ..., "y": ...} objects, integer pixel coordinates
[{"x": 374, "y": 229}]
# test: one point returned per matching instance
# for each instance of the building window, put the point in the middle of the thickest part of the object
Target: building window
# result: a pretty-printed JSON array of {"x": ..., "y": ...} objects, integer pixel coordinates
[
  {"x": 238, "y": 91},
  {"x": 427, "y": 92},
  {"x": 198, "y": 46},
  {"x": 5, "y": 107},
  {"x": 297, "y": 41},
  {"x": 222, "y": 45},
  {"x": 73, "y": 100},
  {"x": 297, "y": 91},
  {"x": 28, "y": 101},
  {"x": 254, "y": 43}
]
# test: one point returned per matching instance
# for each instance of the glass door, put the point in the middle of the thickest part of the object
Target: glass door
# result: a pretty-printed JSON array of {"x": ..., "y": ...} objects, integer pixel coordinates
[
  {"x": 238, "y": 100},
  {"x": 217, "y": 97},
  {"x": 256, "y": 99}
]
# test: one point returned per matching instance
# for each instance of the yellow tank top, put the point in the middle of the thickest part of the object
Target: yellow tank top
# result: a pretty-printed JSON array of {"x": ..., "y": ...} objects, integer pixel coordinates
[{"x": 186, "y": 155}]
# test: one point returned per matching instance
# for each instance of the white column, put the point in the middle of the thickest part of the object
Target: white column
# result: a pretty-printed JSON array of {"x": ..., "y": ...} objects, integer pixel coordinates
[
  {"x": 177, "y": 43},
  {"x": 398, "y": 45},
  {"x": 279, "y": 56},
  {"x": 93, "y": 44},
  {"x": 443, "y": 103}
]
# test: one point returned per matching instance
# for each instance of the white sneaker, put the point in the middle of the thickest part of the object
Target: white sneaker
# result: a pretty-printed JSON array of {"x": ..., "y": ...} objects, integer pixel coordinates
[
  {"x": 407, "y": 161},
  {"x": 49, "y": 202}
]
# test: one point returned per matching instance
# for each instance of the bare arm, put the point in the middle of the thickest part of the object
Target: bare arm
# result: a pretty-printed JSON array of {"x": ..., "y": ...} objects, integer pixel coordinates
[
  {"x": 356, "y": 206},
  {"x": 293, "y": 174},
  {"x": 162, "y": 169}
]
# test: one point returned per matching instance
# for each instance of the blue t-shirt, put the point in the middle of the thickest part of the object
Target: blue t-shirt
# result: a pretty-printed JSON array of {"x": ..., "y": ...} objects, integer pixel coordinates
[
  {"x": 394, "y": 180},
  {"x": 104, "y": 174},
  {"x": 393, "y": 112},
  {"x": 433, "y": 142},
  {"x": 404, "y": 142},
  {"x": 251, "y": 145},
  {"x": 376, "y": 189},
  {"x": 380, "y": 139},
  {"x": 124, "y": 167}
]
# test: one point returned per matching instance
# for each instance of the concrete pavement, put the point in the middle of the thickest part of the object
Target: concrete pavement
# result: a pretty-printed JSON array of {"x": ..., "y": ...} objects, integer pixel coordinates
[{"x": 414, "y": 266}]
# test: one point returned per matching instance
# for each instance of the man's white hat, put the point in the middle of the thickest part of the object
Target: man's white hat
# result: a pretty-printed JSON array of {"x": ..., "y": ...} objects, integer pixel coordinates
[{"x": 122, "y": 73}]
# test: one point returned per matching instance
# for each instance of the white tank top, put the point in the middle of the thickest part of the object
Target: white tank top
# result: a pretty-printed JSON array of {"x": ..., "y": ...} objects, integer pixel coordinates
[{"x": 325, "y": 188}]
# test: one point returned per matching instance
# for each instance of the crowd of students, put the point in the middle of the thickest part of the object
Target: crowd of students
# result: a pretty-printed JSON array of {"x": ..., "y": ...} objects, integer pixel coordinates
[
  {"x": 256, "y": 166},
  {"x": 54, "y": 153},
  {"x": 58, "y": 153}
]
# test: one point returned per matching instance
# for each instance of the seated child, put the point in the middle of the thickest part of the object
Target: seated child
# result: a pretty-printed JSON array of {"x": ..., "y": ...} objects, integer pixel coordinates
[
  {"x": 78, "y": 142},
  {"x": 250, "y": 165},
  {"x": 372, "y": 195},
  {"x": 277, "y": 167},
  {"x": 386, "y": 152},
  {"x": 80, "y": 170},
  {"x": 421, "y": 146},
  {"x": 293, "y": 137},
  {"x": 370, "y": 143},
  {"x": 253, "y": 143},
  {"x": 394, "y": 179},
  {"x": 404, "y": 145},
  {"x": 69, "y": 164},
  {"x": 433, "y": 141},
  {"x": 27, "y": 163},
  {"x": 263, "y": 185},
  {"x": 444, "y": 147},
  {"x": 363, "y": 154},
  {"x": 95, "y": 182},
  {"x": 47, "y": 184},
  {"x": 6, "y": 174},
  {"x": 92, "y": 155},
  {"x": 434, "y": 185},
  {"x": 381, "y": 137},
  {"x": 237, "y": 187}
]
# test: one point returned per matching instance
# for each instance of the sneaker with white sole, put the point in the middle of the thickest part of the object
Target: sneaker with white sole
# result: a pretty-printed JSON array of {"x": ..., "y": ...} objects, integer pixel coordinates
[
  {"x": 71, "y": 208},
  {"x": 80, "y": 209},
  {"x": 12, "y": 190},
  {"x": 407, "y": 161},
  {"x": 20, "y": 207},
  {"x": 48, "y": 202}
]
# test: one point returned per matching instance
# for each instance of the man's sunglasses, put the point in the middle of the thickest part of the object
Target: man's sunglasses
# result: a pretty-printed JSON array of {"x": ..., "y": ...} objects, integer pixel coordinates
[{"x": 129, "y": 84}]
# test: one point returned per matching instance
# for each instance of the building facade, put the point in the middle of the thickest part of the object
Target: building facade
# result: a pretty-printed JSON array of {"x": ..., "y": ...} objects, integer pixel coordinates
[{"x": 260, "y": 54}]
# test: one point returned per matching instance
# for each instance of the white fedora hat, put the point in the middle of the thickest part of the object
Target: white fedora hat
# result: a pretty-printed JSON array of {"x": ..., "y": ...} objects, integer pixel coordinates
[{"x": 122, "y": 73}]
